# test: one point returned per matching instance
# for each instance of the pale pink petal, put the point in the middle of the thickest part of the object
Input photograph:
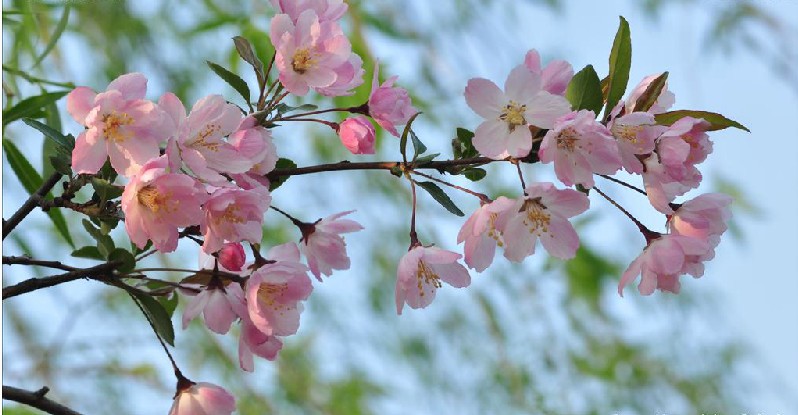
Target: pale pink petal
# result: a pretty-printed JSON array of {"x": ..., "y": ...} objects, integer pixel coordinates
[
  {"x": 80, "y": 102},
  {"x": 484, "y": 98},
  {"x": 131, "y": 85},
  {"x": 88, "y": 158}
]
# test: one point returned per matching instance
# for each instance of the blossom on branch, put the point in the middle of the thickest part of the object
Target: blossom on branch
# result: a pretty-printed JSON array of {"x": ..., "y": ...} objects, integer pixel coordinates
[
  {"x": 389, "y": 105},
  {"x": 156, "y": 203},
  {"x": 274, "y": 291},
  {"x": 543, "y": 213},
  {"x": 664, "y": 260},
  {"x": 509, "y": 114},
  {"x": 580, "y": 146},
  {"x": 120, "y": 124},
  {"x": 323, "y": 245},
  {"x": 233, "y": 215},
  {"x": 555, "y": 77},
  {"x": 482, "y": 232},
  {"x": 420, "y": 273}
]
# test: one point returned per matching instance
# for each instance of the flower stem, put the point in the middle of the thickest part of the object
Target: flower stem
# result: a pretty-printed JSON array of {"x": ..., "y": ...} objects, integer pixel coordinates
[
  {"x": 482, "y": 197},
  {"x": 647, "y": 233},
  {"x": 624, "y": 184}
]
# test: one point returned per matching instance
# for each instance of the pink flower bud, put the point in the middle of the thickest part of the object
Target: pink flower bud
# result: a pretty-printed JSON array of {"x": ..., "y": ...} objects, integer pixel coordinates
[
  {"x": 357, "y": 135},
  {"x": 232, "y": 256},
  {"x": 203, "y": 399}
]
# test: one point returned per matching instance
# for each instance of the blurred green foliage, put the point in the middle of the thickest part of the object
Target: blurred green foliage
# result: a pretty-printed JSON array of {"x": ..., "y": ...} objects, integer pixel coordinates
[{"x": 523, "y": 339}]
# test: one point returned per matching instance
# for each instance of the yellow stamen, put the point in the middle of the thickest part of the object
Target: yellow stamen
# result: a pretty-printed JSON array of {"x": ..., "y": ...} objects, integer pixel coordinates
[
  {"x": 302, "y": 61},
  {"x": 514, "y": 115},
  {"x": 536, "y": 219},
  {"x": 567, "y": 139},
  {"x": 425, "y": 274},
  {"x": 112, "y": 126}
]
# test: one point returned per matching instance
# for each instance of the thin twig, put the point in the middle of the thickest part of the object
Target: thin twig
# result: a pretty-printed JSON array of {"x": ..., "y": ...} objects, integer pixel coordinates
[
  {"x": 376, "y": 165},
  {"x": 30, "y": 204},
  {"x": 624, "y": 184},
  {"x": 36, "y": 400},
  {"x": 482, "y": 197}
]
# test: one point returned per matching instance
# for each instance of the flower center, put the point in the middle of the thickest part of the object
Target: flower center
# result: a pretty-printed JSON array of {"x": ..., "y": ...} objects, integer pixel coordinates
[
  {"x": 492, "y": 231},
  {"x": 230, "y": 215},
  {"x": 536, "y": 217},
  {"x": 269, "y": 293},
  {"x": 513, "y": 114},
  {"x": 201, "y": 140},
  {"x": 154, "y": 200},
  {"x": 113, "y": 126},
  {"x": 567, "y": 139},
  {"x": 626, "y": 132},
  {"x": 302, "y": 61},
  {"x": 425, "y": 274}
]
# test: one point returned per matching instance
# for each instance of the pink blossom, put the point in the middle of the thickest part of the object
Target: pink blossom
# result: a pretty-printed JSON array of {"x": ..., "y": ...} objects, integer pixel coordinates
[
  {"x": 389, "y": 105},
  {"x": 635, "y": 133},
  {"x": 554, "y": 77},
  {"x": 254, "y": 143},
  {"x": 274, "y": 292},
  {"x": 119, "y": 123},
  {"x": 323, "y": 245},
  {"x": 327, "y": 10},
  {"x": 233, "y": 215},
  {"x": 253, "y": 342},
  {"x": 200, "y": 142},
  {"x": 203, "y": 399},
  {"x": 420, "y": 273},
  {"x": 543, "y": 213},
  {"x": 357, "y": 134},
  {"x": 508, "y": 115},
  {"x": 705, "y": 217},
  {"x": 664, "y": 101},
  {"x": 310, "y": 53},
  {"x": 232, "y": 256},
  {"x": 580, "y": 146},
  {"x": 664, "y": 260},
  {"x": 349, "y": 75},
  {"x": 156, "y": 203},
  {"x": 481, "y": 232},
  {"x": 671, "y": 171},
  {"x": 220, "y": 305}
]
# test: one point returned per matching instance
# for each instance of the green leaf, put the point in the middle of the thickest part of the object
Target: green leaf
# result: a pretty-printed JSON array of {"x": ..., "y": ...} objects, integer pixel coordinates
[
  {"x": 285, "y": 108},
  {"x": 157, "y": 314},
  {"x": 584, "y": 91},
  {"x": 125, "y": 257},
  {"x": 232, "y": 79},
  {"x": 105, "y": 245},
  {"x": 441, "y": 197},
  {"x": 64, "y": 144},
  {"x": 59, "y": 30},
  {"x": 282, "y": 163},
  {"x": 61, "y": 164},
  {"x": 462, "y": 146},
  {"x": 247, "y": 53},
  {"x": 620, "y": 64},
  {"x": 90, "y": 252},
  {"x": 427, "y": 158},
  {"x": 652, "y": 92},
  {"x": 474, "y": 174},
  {"x": 715, "y": 120},
  {"x": 418, "y": 146},
  {"x": 31, "y": 181},
  {"x": 405, "y": 133},
  {"x": 105, "y": 190},
  {"x": 169, "y": 303},
  {"x": 25, "y": 172},
  {"x": 31, "y": 107}
]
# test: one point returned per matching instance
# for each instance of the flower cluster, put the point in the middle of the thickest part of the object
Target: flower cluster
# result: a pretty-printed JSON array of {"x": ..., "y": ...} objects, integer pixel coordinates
[
  {"x": 532, "y": 108},
  {"x": 203, "y": 175}
]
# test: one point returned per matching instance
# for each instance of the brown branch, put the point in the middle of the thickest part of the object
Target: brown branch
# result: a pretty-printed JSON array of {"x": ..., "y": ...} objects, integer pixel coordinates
[
  {"x": 34, "y": 284},
  {"x": 36, "y": 400},
  {"x": 30, "y": 204},
  {"x": 23, "y": 260},
  {"x": 376, "y": 165}
]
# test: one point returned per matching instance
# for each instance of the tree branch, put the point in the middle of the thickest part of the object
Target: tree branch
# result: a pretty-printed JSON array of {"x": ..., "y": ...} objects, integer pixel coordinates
[
  {"x": 34, "y": 284},
  {"x": 30, "y": 204},
  {"x": 376, "y": 165},
  {"x": 24, "y": 260},
  {"x": 36, "y": 400}
]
